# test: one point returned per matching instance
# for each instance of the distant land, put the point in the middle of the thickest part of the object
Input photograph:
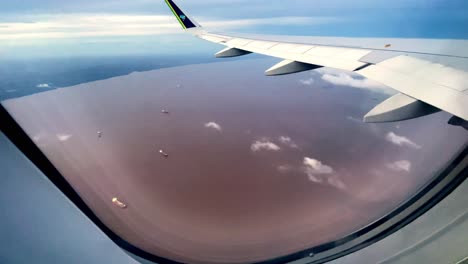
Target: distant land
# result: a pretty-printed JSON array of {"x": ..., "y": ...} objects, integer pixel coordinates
[{"x": 22, "y": 77}]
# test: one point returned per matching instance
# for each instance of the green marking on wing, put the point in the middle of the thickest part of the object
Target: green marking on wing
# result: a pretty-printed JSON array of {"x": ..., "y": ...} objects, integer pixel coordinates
[{"x": 175, "y": 14}]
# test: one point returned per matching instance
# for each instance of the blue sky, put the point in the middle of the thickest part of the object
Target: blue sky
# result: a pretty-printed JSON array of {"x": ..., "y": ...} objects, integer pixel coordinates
[{"x": 47, "y": 28}]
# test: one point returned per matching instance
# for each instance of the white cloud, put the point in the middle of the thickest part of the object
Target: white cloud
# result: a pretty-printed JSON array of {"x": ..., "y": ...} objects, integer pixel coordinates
[
  {"x": 63, "y": 137},
  {"x": 321, "y": 173},
  {"x": 354, "y": 119},
  {"x": 317, "y": 167},
  {"x": 287, "y": 141},
  {"x": 336, "y": 182},
  {"x": 81, "y": 25},
  {"x": 401, "y": 140},
  {"x": 284, "y": 168},
  {"x": 213, "y": 125},
  {"x": 401, "y": 165},
  {"x": 309, "y": 81},
  {"x": 264, "y": 145},
  {"x": 43, "y": 85},
  {"x": 353, "y": 80}
]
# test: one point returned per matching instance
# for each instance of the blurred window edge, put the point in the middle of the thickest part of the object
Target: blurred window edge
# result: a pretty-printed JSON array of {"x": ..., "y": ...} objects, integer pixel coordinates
[{"x": 441, "y": 185}]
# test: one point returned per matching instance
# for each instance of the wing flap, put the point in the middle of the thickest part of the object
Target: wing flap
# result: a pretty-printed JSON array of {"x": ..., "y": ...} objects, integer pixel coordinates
[
  {"x": 433, "y": 93},
  {"x": 288, "y": 67},
  {"x": 213, "y": 38},
  {"x": 398, "y": 108},
  {"x": 292, "y": 48},
  {"x": 333, "y": 57},
  {"x": 238, "y": 42},
  {"x": 260, "y": 45},
  {"x": 231, "y": 52}
]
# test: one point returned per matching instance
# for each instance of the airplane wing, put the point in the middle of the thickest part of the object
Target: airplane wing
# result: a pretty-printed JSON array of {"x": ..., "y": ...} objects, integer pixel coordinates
[{"x": 430, "y": 75}]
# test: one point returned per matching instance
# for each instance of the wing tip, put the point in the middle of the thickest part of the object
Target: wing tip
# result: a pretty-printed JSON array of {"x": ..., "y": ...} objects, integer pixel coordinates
[{"x": 185, "y": 21}]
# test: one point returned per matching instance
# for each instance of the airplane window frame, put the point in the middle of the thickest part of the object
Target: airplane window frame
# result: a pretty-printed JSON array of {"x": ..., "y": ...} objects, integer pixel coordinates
[{"x": 449, "y": 178}]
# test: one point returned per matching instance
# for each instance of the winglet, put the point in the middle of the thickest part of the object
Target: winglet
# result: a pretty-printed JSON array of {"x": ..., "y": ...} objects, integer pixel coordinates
[{"x": 183, "y": 19}]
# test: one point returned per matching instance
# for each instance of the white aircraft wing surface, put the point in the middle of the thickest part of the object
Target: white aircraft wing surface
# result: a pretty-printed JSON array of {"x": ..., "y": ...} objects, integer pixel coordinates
[{"x": 429, "y": 74}]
